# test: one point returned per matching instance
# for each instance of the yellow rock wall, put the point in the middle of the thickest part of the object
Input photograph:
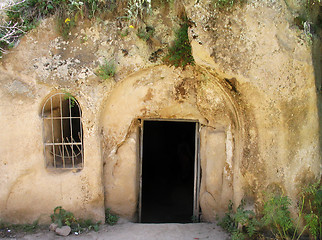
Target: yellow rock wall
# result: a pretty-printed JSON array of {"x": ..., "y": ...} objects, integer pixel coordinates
[{"x": 252, "y": 89}]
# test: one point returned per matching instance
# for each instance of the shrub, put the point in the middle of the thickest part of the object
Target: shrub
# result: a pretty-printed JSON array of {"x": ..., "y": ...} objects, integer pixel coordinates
[
  {"x": 179, "y": 54},
  {"x": 242, "y": 224},
  {"x": 29, "y": 12},
  {"x": 62, "y": 217},
  {"x": 107, "y": 70},
  {"x": 277, "y": 216},
  {"x": 65, "y": 218},
  {"x": 312, "y": 209},
  {"x": 25, "y": 15},
  {"x": 145, "y": 33},
  {"x": 137, "y": 9}
]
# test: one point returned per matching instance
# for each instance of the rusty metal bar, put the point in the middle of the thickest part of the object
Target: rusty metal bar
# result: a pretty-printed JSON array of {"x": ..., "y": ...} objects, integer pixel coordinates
[
  {"x": 52, "y": 128},
  {"x": 81, "y": 135},
  {"x": 58, "y": 118},
  {"x": 59, "y": 144},
  {"x": 62, "y": 128},
  {"x": 65, "y": 145},
  {"x": 71, "y": 128}
]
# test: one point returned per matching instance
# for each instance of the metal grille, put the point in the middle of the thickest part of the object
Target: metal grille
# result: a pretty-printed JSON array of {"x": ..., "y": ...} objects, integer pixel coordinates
[{"x": 63, "y": 132}]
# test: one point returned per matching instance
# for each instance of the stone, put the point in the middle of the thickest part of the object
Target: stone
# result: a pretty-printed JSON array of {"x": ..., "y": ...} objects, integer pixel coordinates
[
  {"x": 63, "y": 231},
  {"x": 253, "y": 89},
  {"x": 53, "y": 227}
]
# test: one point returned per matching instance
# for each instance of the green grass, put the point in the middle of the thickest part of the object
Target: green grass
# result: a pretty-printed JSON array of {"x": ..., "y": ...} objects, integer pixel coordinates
[
  {"x": 107, "y": 70},
  {"x": 8, "y": 227}
]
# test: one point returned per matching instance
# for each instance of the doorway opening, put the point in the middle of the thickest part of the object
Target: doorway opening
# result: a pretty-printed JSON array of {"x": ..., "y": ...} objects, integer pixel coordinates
[{"x": 169, "y": 172}]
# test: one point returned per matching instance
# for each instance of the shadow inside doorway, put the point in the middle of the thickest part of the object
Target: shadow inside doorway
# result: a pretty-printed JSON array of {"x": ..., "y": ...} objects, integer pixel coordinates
[{"x": 168, "y": 172}]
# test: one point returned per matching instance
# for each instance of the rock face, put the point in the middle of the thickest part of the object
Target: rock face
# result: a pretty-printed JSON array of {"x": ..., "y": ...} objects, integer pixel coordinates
[
  {"x": 265, "y": 58},
  {"x": 252, "y": 91}
]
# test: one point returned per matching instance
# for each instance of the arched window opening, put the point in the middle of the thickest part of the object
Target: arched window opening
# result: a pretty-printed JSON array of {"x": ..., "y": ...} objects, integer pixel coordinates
[{"x": 63, "y": 132}]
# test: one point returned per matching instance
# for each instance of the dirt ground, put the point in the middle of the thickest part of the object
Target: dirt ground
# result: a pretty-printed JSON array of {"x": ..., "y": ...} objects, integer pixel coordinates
[{"x": 135, "y": 231}]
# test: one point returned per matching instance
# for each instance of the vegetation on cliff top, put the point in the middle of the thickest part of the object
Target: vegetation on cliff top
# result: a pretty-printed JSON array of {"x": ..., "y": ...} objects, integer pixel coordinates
[
  {"x": 179, "y": 54},
  {"x": 20, "y": 16}
]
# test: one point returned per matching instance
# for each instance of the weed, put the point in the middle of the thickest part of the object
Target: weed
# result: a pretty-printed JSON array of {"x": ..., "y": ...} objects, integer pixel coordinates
[
  {"x": 137, "y": 9},
  {"x": 277, "y": 216},
  {"x": 110, "y": 218},
  {"x": 124, "y": 33},
  {"x": 307, "y": 20},
  {"x": 107, "y": 70},
  {"x": 64, "y": 218},
  {"x": 312, "y": 209},
  {"x": 87, "y": 224},
  {"x": 179, "y": 54},
  {"x": 227, "y": 4},
  {"x": 145, "y": 33},
  {"x": 241, "y": 224},
  {"x": 64, "y": 25},
  {"x": 68, "y": 96},
  {"x": 10, "y": 230},
  {"x": 29, "y": 12},
  {"x": 25, "y": 15}
]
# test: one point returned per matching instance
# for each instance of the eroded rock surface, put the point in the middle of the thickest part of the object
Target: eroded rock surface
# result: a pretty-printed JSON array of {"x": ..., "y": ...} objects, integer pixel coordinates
[{"x": 252, "y": 89}]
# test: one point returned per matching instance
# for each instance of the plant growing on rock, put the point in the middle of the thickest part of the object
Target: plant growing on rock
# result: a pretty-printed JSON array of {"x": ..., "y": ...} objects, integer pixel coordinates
[
  {"x": 24, "y": 15},
  {"x": 9, "y": 31},
  {"x": 107, "y": 70},
  {"x": 110, "y": 218},
  {"x": 137, "y": 9},
  {"x": 180, "y": 54},
  {"x": 145, "y": 33},
  {"x": 227, "y": 4}
]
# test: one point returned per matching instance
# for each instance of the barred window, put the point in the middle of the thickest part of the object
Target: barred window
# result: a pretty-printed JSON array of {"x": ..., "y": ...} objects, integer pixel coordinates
[{"x": 63, "y": 132}]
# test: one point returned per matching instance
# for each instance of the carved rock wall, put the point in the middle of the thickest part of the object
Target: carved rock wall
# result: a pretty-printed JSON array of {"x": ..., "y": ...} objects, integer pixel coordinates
[{"x": 252, "y": 89}]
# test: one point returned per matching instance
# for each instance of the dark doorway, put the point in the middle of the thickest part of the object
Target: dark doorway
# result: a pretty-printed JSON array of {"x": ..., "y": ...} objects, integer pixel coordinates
[{"x": 168, "y": 160}]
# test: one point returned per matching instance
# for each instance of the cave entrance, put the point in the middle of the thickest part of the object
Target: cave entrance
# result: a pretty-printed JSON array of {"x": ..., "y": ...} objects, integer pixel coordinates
[{"x": 169, "y": 171}]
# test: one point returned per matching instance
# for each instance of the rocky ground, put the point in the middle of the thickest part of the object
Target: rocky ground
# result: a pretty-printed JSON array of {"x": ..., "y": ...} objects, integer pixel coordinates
[{"x": 134, "y": 231}]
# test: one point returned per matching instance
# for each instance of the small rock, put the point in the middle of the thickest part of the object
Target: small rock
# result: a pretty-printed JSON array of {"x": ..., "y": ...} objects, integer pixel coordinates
[
  {"x": 63, "y": 231},
  {"x": 53, "y": 227}
]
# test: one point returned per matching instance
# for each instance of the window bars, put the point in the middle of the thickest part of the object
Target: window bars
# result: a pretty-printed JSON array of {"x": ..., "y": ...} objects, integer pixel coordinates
[{"x": 63, "y": 132}]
